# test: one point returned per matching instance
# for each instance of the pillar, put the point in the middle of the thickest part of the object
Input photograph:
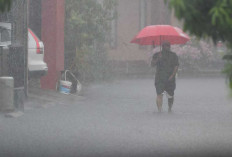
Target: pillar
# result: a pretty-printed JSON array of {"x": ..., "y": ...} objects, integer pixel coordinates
[{"x": 52, "y": 34}]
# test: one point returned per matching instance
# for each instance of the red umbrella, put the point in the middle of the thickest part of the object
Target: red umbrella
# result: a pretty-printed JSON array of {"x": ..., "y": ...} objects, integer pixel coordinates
[{"x": 155, "y": 34}]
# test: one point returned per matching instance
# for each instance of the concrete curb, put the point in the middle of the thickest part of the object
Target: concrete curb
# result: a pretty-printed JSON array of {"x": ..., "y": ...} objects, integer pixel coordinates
[
  {"x": 39, "y": 98},
  {"x": 14, "y": 114}
]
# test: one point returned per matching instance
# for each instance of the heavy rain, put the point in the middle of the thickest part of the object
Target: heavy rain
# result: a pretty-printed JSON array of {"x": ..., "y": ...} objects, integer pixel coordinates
[{"x": 115, "y": 78}]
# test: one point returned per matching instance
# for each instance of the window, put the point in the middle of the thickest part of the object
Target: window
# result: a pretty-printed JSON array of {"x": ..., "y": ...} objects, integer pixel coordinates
[
  {"x": 113, "y": 35},
  {"x": 142, "y": 16}
]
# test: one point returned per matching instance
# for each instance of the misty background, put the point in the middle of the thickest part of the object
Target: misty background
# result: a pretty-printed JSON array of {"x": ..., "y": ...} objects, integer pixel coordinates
[
  {"x": 98, "y": 35},
  {"x": 115, "y": 113}
]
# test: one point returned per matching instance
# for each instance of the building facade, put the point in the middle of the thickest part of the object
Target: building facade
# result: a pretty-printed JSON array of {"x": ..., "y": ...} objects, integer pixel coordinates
[{"x": 133, "y": 15}]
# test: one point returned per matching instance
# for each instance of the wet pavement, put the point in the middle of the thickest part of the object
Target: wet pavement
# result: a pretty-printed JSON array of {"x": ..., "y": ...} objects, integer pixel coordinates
[{"x": 121, "y": 119}]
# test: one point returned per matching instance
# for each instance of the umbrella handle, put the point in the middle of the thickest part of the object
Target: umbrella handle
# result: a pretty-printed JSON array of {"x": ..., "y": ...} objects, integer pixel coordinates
[{"x": 153, "y": 43}]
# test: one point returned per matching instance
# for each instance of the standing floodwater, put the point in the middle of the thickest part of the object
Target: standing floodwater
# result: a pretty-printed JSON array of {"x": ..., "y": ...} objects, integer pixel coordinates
[{"x": 121, "y": 119}]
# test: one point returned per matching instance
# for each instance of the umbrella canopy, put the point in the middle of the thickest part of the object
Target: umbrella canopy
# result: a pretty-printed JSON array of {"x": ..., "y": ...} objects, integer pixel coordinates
[{"x": 155, "y": 34}]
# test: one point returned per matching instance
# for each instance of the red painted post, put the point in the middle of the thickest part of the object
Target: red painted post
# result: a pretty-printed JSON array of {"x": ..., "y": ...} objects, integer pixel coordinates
[{"x": 52, "y": 34}]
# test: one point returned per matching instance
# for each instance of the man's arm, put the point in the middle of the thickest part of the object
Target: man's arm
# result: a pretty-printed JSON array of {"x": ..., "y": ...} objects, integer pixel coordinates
[
  {"x": 176, "y": 64},
  {"x": 174, "y": 73}
]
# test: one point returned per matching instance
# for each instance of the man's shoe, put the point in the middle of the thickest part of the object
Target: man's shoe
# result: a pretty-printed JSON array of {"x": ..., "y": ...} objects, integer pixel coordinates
[{"x": 169, "y": 110}]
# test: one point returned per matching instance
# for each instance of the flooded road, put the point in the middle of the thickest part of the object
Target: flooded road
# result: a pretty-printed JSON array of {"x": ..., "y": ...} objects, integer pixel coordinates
[{"x": 121, "y": 119}]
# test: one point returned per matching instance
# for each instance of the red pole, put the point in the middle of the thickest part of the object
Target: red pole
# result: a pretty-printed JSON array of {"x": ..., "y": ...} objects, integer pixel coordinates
[{"x": 52, "y": 35}]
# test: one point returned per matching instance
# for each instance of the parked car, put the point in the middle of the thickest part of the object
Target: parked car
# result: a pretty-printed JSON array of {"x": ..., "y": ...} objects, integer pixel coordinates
[{"x": 36, "y": 65}]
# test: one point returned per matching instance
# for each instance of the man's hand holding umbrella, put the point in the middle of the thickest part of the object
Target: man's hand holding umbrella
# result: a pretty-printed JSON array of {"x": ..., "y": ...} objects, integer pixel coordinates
[{"x": 156, "y": 60}]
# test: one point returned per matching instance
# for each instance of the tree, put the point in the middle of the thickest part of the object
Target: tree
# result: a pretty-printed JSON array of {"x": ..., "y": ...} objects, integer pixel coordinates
[
  {"x": 207, "y": 18},
  {"x": 86, "y": 32},
  {"x": 5, "y": 5}
]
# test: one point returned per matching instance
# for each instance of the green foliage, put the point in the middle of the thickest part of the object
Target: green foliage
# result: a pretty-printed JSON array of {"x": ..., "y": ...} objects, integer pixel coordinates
[
  {"x": 207, "y": 18},
  {"x": 5, "y": 5},
  {"x": 211, "y": 18},
  {"x": 86, "y": 30},
  {"x": 228, "y": 71},
  {"x": 90, "y": 63}
]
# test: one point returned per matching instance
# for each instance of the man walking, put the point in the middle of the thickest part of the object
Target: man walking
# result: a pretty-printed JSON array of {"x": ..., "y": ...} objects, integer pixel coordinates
[{"x": 166, "y": 63}]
